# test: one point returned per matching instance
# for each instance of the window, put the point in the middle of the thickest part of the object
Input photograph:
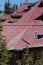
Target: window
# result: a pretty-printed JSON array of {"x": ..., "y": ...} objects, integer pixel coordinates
[
  {"x": 2, "y": 20},
  {"x": 41, "y": 4},
  {"x": 40, "y": 17},
  {"x": 16, "y": 16},
  {"x": 10, "y": 22},
  {"x": 29, "y": 7},
  {"x": 39, "y": 36},
  {"x": 26, "y": 10}
]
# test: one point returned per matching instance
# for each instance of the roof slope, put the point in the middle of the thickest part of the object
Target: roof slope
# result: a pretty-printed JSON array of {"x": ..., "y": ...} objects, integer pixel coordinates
[
  {"x": 29, "y": 17},
  {"x": 20, "y": 9},
  {"x": 4, "y": 16},
  {"x": 19, "y": 12},
  {"x": 24, "y": 32}
]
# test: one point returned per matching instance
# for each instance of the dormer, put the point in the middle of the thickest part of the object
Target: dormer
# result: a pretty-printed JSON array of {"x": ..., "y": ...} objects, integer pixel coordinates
[
  {"x": 39, "y": 36},
  {"x": 41, "y": 4},
  {"x": 40, "y": 17},
  {"x": 25, "y": 10},
  {"x": 16, "y": 16},
  {"x": 2, "y": 20},
  {"x": 10, "y": 22}
]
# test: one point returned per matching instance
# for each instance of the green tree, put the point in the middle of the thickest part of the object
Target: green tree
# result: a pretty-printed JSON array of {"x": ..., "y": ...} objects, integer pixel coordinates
[
  {"x": 7, "y": 7},
  {"x": 4, "y": 54},
  {"x": 27, "y": 57},
  {"x": 16, "y": 7},
  {"x": 21, "y": 3},
  {"x": 1, "y": 12},
  {"x": 13, "y": 8},
  {"x": 26, "y": 0},
  {"x": 39, "y": 60}
]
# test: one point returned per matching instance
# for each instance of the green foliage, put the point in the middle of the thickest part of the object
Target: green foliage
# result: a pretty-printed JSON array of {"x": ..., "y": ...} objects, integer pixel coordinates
[
  {"x": 14, "y": 8},
  {"x": 4, "y": 54},
  {"x": 2, "y": 20},
  {"x": 18, "y": 62},
  {"x": 26, "y": 0},
  {"x": 20, "y": 4},
  {"x": 1, "y": 12},
  {"x": 39, "y": 61},
  {"x": 42, "y": 57},
  {"x": 27, "y": 57},
  {"x": 32, "y": 4},
  {"x": 7, "y": 7},
  {"x": 0, "y": 28}
]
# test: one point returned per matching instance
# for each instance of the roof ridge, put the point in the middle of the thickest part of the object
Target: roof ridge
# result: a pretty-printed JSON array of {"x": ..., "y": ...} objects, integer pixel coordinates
[
  {"x": 16, "y": 39},
  {"x": 33, "y": 9},
  {"x": 23, "y": 35},
  {"x": 28, "y": 14}
]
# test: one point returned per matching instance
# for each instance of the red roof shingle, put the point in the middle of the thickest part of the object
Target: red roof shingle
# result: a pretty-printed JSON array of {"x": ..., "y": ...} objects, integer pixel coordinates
[{"x": 23, "y": 32}]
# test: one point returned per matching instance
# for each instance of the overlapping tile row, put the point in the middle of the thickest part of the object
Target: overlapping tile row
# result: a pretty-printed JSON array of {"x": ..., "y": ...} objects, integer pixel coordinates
[{"x": 25, "y": 31}]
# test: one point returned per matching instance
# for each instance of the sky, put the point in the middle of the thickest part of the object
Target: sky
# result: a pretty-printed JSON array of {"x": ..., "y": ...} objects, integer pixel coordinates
[{"x": 2, "y": 2}]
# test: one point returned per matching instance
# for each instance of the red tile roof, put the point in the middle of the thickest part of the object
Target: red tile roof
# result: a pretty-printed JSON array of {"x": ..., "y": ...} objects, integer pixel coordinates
[
  {"x": 23, "y": 33},
  {"x": 18, "y": 12},
  {"x": 5, "y": 16},
  {"x": 29, "y": 36},
  {"x": 29, "y": 17},
  {"x": 15, "y": 35},
  {"x": 41, "y": 0},
  {"x": 21, "y": 8},
  {"x": 11, "y": 32}
]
